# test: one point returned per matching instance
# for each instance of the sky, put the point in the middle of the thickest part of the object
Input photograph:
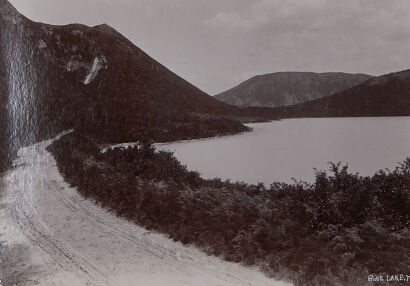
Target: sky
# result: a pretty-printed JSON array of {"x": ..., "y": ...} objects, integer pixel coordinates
[{"x": 216, "y": 44}]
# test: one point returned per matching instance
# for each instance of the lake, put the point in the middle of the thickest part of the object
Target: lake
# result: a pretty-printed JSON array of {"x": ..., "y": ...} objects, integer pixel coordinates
[{"x": 292, "y": 148}]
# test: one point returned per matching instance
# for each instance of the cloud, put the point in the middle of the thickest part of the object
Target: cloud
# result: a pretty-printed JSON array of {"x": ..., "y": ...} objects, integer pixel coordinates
[
  {"x": 311, "y": 14},
  {"x": 234, "y": 20},
  {"x": 256, "y": 14}
]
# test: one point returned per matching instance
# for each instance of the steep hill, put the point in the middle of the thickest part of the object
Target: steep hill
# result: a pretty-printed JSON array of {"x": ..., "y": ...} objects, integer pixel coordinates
[
  {"x": 387, "y": 95},
  {"x": 288, "y": 88},
  {"x": 93, "y": 79}
]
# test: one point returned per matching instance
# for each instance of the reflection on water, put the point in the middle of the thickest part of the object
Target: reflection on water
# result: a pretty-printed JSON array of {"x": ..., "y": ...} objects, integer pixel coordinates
[{"x": 280, "y": 150}]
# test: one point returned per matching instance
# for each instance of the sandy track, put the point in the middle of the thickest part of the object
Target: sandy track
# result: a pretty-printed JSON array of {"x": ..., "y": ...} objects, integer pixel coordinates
[{"x": 72, "y": 241}]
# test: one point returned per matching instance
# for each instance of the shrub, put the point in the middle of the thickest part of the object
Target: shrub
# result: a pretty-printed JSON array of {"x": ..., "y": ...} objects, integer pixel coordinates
[{"x": 313, "y": 234}]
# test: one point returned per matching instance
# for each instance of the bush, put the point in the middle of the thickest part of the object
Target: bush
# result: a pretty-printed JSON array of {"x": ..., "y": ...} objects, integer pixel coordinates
[{"x": 312, "y": 234}]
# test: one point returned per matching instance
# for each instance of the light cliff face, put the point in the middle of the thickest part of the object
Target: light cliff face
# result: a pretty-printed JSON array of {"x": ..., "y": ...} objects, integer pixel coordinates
[
  {"x": 288, "y": 88},
  {"x": 6, "y": 17}
]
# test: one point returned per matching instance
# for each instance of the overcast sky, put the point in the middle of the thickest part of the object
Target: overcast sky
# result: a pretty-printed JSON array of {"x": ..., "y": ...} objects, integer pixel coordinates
[{"x": 216, "y": 44}]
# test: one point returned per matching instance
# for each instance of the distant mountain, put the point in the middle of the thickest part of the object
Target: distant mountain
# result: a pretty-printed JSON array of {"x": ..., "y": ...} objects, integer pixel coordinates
[
  {"x": 289, "y": 88},
  {"x": 93, "y": 79},
  {"x": 387, "y": 95}
]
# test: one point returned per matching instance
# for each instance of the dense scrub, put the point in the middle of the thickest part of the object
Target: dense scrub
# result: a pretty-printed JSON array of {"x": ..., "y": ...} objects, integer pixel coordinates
[{"x": 336, "y": 231}]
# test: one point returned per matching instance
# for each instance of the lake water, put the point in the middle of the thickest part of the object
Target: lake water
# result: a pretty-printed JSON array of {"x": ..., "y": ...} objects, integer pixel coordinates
[{"x": 280, "y": 150}]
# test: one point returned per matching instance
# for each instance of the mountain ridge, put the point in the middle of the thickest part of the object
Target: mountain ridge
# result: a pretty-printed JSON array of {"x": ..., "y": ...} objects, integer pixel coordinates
[
  {"x": 289, "y": 88},
  {"x": 95, "y": 80},
  {"x": 386, "y": 95}
]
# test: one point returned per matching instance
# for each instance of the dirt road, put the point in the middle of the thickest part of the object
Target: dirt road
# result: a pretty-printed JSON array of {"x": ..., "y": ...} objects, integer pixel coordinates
[{"x": 69, "y": 240}]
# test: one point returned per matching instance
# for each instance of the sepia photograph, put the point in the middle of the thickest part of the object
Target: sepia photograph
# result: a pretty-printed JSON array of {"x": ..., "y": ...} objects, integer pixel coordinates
[{"x": 204, "y": 142}]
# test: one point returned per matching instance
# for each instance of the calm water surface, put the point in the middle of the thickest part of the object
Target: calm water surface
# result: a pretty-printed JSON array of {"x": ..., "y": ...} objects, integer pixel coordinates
[{"x": 292, "y": 148}]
